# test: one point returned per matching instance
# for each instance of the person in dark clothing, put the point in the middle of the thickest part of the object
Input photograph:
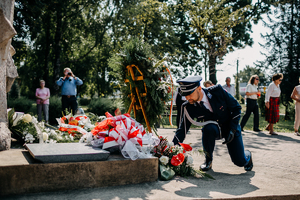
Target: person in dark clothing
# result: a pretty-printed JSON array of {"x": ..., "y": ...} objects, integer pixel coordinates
[
  {"x": 252, "y": 94},
  {"x": 220, "y": 112},
  {"x": 179, "y": 100}
]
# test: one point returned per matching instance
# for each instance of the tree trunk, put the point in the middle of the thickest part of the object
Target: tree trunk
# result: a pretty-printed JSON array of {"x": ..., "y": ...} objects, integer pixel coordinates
[
  {"x": 212, "y": 68},
  {"x": 57, "y": 48}
]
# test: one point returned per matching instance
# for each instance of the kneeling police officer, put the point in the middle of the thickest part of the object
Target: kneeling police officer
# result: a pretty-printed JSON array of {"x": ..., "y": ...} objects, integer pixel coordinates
[{"x": 220, "y": 113}]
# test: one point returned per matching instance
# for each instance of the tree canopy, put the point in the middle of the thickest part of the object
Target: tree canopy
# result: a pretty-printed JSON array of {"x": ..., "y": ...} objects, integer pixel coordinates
[{"x": 84, "y": 34}]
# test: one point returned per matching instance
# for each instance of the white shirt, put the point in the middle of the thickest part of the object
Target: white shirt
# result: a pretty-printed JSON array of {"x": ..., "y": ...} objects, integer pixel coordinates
[
  {"x": 251, "y": 88},
  {"x": 206, "y": 102},
  {"x": 230, "y": 89},
  {"x": 273, "y": 91}
]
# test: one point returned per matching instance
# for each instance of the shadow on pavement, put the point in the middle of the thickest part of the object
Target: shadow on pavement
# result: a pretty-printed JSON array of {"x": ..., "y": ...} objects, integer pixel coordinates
[{"x": 230, "y": 184}]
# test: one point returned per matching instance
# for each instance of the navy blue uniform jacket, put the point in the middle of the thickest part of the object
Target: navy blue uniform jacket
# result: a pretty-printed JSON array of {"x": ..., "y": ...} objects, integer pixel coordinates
[{"x": 226, "y": 112}]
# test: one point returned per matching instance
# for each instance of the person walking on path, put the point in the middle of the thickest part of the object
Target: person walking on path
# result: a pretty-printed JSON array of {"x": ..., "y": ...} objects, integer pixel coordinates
[
  {"x": 68, "y": 85},
  {"x": 42, "y": 95},
  {"x": 296, "y": 96},
  {"x": 252, "y": 94},
  {"x": 229, "y": 87},
  {"x": 220, "y": 113},
  {"x": 272, "y": 102}
]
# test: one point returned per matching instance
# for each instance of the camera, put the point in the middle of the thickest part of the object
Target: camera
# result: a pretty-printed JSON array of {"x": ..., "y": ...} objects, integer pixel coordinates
[{"x": 70, "y": 74}]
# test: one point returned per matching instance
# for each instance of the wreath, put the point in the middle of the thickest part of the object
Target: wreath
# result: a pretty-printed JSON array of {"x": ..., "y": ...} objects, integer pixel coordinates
[{"x": 155, "y": 86}]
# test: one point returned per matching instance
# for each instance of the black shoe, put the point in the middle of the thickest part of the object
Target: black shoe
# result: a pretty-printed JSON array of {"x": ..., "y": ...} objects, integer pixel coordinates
[
  {"x": 206, "y": 166},
  {"x": 249, "y": 166},
  {"x": 257, "y": 130}
]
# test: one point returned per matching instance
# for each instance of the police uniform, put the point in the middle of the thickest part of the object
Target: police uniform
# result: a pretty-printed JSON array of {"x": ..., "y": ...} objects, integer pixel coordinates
[
  {"x": 179, "y": 100},
  {"x": 220, "y": 115}
]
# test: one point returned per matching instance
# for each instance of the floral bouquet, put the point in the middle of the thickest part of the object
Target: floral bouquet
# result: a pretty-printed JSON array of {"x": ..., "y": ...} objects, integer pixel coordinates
[
  {"x": 176, "y": 160},
  {"x": 26, "y": 129}
]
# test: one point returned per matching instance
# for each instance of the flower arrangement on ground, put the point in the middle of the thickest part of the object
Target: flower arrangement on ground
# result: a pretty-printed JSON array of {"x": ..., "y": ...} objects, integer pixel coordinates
[
  {"x": 26, "y": 129},
  {"x": 176, "y": 160}
]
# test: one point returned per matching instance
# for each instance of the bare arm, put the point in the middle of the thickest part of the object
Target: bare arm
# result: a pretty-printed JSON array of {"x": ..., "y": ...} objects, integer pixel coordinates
[{"x": 295, "y": 95}]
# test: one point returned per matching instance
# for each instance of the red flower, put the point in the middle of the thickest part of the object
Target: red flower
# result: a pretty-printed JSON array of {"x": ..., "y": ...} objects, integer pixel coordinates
[
  {"x": 186, "y": 147},
  {"x": 177, "y": 159}
]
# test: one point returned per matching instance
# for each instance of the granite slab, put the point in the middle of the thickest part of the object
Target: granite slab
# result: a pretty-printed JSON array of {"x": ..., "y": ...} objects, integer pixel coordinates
[{"x": 66, "y": 152}]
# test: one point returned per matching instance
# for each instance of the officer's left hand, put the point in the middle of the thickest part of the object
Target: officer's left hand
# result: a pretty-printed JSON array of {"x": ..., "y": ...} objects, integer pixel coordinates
[{"x": 229, "y": 138}]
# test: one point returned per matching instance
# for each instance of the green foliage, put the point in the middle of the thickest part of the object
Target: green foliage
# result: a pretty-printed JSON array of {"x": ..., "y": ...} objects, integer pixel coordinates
[
  {"x": 282, "y": 44},
  {"x": 101, "y": 105},
  {"x": 247, "y": 72},
  {"x": 84, "y": 101},
  {"x": 55, "y": 109},
  {"x": 14, "y": 92},
  {"x": 139, "y": 53},
  {"x": 21, "y": 104},
  {"x": 220, "y": 26}
]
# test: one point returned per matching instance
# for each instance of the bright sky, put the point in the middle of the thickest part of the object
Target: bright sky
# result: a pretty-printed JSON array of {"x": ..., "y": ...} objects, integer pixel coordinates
[{"x": 246, "y": 56}]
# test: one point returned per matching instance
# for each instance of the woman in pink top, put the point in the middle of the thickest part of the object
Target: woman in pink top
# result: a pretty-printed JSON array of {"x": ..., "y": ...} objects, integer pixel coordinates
[{"x": 42, "y": 100}]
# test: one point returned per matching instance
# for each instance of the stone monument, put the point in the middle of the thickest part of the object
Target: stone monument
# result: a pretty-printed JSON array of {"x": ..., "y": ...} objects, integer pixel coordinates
[{"x": 8, "y": 71}]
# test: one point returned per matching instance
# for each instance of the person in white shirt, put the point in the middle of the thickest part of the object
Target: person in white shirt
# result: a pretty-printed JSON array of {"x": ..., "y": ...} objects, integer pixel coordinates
[
  {"x": 296, "y": 96},
  {"x": 272, "y": 102},
  {"x": 252, "y": 94},
  {"x": 228, "y": 87}
]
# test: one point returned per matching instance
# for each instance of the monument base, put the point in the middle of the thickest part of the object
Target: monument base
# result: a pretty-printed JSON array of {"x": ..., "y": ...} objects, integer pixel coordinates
[{"x": 20, "y": 173}]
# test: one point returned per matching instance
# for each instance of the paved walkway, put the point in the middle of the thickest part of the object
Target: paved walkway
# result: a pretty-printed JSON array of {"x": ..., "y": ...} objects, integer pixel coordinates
[{"x": 276, "y": 172}]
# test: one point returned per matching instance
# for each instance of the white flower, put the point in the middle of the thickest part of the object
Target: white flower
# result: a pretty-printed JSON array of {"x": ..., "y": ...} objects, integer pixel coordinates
[
  {"x": 52, "y": 132},
  {"x": 89, "y": 137},
  {"x": 164, "y": 160},
  {"x": 52, "y": 141},
  {"x": 72, "y": 138},
  {"x": 27, "y": 118},
  {"x": 29, "y": 138},
  {"x": 45, "y": 136},
  {"x": 189, "y": 161},
  {"x": 170, "y": 144},
  {"x": 34, "y": 120}
]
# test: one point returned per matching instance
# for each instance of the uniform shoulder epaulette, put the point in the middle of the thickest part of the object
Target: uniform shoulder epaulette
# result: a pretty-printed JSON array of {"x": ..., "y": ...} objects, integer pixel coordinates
[{"x": 214, "y": 87}]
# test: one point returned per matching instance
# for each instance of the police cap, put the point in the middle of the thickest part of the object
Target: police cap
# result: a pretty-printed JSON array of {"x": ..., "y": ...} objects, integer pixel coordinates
[{"x": 189, "y": 84}]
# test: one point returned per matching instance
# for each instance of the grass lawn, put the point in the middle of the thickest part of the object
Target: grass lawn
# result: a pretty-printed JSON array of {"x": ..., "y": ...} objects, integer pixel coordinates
[{"x": 281, "y": 126}]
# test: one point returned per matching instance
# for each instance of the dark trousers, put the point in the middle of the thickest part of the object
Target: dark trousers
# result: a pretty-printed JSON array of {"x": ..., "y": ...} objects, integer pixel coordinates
[
  {"x": 252, "y": 106},
  {"x": 211, "y": 132},
  {"x": 69, "y": 103}
]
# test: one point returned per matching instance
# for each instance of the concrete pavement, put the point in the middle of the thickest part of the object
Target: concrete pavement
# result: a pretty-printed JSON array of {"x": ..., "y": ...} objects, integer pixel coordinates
[{"x": 276, "y": 174}]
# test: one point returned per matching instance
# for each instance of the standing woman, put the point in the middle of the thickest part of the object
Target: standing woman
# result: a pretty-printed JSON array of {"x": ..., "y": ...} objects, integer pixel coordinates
[
  {"x": 296, "y": 96},
  {"x": 252, "y": 94},
  {"x": 272, "y": 102},
  {"x": 42, "y": 95}
]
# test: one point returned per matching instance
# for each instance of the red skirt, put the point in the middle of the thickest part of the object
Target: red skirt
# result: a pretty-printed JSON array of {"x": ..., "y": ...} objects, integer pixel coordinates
[{"x": 272, "y": 114}]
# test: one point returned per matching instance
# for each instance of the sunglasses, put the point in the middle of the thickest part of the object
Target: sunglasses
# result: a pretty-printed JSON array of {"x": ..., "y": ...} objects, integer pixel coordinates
[
  {"x": 280, "y": 79},
  {"x": 257, "y": 79}
]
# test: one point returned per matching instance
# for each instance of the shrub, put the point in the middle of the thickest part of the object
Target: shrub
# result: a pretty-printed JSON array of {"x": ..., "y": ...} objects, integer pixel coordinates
[
  {"x": 21, "y": 104},
  {"x": 55, "y": 109},
  {"x": 84, "y": 101},
  {"x": 101, "y": 105}
]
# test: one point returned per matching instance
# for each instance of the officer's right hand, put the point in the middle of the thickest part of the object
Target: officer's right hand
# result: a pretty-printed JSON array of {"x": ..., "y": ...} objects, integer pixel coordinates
[{"x": 229, "y": 138}]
